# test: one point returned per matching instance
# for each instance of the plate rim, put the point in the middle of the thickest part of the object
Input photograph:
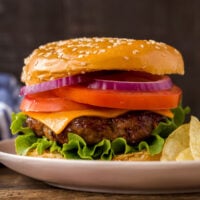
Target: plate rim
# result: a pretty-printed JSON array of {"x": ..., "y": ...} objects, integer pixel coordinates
[{"x": 90, "y": 167}]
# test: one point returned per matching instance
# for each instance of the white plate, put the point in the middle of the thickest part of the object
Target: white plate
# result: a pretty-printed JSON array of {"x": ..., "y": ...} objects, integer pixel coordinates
[{"x": 106, "y": 176}]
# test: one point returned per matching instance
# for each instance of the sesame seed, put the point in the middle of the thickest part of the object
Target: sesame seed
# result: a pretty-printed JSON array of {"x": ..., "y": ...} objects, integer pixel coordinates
[
  {"x": 176, "y": 51},
  {"x": 61, "y": 43},
  {"x": 152, "y": 41},
  {"x": 70, "y": 46},
  {"x": 99, "y": 40},
  {"x": 36, "y": 63},
  {"x": 60, "y": 55},
  {"x": 157, "y": 47},
  {"x": 74, "y": 49},
  {"x": 102, "y": 51},
  {"x": 161, "y": 44},
  {"x": 46, "y": 55},
  {"x": 80, "y": 56},
  {"x": 142, "y": 46},
  {"x": 26, "y": 60},
  {"x": 111, "y": 40},
  {"x": 41, "y": 54},
  {"x": 126, "y": 57},
  {"x": 135, "y": 51},
  {"x": 115, "y": 44}
]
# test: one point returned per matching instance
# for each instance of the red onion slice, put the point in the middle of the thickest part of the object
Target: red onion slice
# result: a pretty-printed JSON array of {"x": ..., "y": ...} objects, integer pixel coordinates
[
  {"x": 129, "y": 81},
  {"x": 163, "y": 83},
  {"x": 53, "y": 84}
]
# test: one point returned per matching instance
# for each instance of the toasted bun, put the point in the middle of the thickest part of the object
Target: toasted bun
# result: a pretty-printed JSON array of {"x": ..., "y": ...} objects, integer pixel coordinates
[
  {"x": 136, "y": 156},
  {"x": 64, "y": 58},
  {"x": 45, "y": 154}
]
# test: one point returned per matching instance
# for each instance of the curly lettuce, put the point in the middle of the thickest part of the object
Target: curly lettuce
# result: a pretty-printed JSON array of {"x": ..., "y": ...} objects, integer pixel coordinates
[{"x": 77, "y": 148}]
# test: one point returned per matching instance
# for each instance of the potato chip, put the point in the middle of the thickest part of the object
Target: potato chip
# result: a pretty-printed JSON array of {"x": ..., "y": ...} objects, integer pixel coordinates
[
  {"x": 186, "y": 154},
  {"x": 195, "y": 137},
  {"x": 177, "y": 141}
]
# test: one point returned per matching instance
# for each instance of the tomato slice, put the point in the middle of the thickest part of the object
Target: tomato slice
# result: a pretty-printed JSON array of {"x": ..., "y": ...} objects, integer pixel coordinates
[
  {"x": 48, "y": 102},
  {"x": 165, "y": 99}
]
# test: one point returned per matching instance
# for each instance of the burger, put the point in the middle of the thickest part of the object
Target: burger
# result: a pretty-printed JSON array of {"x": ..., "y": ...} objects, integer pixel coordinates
[{"x": 99, "y": 99}]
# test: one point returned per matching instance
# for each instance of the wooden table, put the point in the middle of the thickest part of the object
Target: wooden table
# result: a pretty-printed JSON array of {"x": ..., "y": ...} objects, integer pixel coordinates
[{"x": 16, "y": 186}]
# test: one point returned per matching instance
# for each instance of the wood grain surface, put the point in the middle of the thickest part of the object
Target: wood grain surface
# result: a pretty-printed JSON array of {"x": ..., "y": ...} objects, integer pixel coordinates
[{"x": 16, "y": 186}]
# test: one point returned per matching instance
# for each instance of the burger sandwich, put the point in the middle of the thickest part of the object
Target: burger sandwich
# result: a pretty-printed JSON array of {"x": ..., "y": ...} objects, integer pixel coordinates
[{"x": 99, "y": 98}]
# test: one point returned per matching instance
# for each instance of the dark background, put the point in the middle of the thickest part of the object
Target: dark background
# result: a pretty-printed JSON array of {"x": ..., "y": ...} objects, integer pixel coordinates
[{"x": 25, "y": 24}]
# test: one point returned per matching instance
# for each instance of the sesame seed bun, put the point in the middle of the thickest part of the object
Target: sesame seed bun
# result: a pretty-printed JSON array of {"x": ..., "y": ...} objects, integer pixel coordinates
[{"x": 69, "y": 57}]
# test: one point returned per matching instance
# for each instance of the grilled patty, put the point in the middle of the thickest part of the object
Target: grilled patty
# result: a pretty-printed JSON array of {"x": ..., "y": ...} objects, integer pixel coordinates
[{"x": 134, "y": 126}]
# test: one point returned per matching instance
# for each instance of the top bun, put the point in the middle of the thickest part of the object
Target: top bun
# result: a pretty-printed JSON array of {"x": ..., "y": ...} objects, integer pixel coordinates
[{"x": 69, "y": 57}]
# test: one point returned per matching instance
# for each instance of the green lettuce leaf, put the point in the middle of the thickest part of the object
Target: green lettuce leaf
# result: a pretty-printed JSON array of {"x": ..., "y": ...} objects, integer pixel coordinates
[
  {"x": 153, "y": 145},
  {"x": 120, "y": 146},
  {"x": 24, "y": 143},
  {"x": 76, "y": 148},
  {"x": 17, "y": 125}
]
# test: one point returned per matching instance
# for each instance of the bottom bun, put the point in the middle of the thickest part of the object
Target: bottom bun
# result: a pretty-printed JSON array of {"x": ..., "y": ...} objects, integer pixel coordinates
[
  {"x": 137, "y": 156},
  {"x": 45, "y": 154}
]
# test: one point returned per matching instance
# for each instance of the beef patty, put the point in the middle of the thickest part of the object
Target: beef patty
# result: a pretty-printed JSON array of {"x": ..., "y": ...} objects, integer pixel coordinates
[{"x": 134, "y": 126}]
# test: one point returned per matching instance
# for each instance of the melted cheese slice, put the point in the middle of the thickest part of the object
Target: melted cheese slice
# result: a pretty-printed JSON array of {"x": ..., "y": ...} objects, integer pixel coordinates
[
  {"x": 59, "y": 120},
  {"x": 167, "y": 113}
]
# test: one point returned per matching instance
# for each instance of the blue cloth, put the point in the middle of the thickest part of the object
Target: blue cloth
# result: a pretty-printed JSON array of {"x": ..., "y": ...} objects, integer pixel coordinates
[{"x": 9, "y": 102}]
